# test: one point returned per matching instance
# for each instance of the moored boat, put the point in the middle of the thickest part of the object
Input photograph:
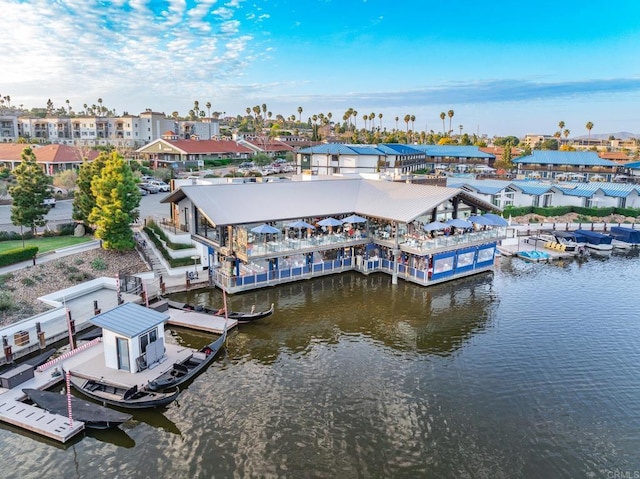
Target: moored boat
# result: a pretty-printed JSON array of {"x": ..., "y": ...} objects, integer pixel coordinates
[
  {"x": 241, "y": 317},
  {"x": 35, "y": 361},
  {"x": 92, "y": 415},
  {"x": 594, "y": 240},
  {"x": 533, "y": 256},
  {"x": 122, "y": 396},
  {"x": 188, "y": 368},
  {"x": 626, "y": 235}
]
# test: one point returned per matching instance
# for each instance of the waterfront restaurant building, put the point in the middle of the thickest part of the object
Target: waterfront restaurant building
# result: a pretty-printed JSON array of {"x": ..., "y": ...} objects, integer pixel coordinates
[{"x": 254, "y": 235}]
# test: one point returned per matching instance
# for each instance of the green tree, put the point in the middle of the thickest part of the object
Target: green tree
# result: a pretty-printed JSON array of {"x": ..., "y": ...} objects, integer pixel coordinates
[
  {"x": 589, "y": 126},
  {"x": 450, "y": 114},
  {"x": 443, "y": 115},
  {"x": 83, "y": 200},
  {"x": 66, "y": 179},
  {"x": 117, "y": 197},
  {"x": 29, "y": 193}
]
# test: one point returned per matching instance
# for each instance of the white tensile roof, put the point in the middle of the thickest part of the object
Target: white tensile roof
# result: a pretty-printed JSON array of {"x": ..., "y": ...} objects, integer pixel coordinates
[{"x": 243, "y": 203}]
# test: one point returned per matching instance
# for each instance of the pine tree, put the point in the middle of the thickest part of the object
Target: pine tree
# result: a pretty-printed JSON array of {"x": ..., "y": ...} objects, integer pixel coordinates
[
  {"x": 83, "y": 199},
  {"x": 29, "y": 193},
  {"x": 116, "y": 199}
]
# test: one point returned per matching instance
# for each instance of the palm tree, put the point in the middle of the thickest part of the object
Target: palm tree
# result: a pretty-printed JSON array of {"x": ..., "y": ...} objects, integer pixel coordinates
[
  {"x": 589, "y": 125},
  {"x": 397, "y": 123},
  {"x": 413, "y": 125},
  {"x": 460, "y": 127},
  {"x": 450, "y": 115},
  {"x": 380, "y": 118},
  {"x": 300, "y": 114},
  {"x": 68, "y": 106},
  {"x": 443, "y": 115},
  {"x": 371, "y": 117},
  {"x": 561, "y": 125},
  {"x": 566, "y": 133},
  {"x": 407, "y": 119}
]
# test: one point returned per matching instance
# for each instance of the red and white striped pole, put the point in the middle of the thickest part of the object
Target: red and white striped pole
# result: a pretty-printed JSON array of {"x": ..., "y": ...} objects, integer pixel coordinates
[{"x": 69, "y": 399}]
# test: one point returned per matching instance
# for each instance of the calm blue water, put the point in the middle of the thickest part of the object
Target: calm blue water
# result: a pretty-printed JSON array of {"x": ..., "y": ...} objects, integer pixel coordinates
[{"x": 533, "y": 371}]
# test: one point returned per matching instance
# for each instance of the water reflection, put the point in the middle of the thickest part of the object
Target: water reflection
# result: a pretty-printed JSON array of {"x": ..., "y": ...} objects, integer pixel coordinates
[{"x": 435, "y": 320}]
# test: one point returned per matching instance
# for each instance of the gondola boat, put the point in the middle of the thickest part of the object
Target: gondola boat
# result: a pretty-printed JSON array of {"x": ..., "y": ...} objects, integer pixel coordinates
[
  {"x": 242, "y": 317},
  {"x": 92, "y": 415},
  {"x": 122, "y": 396},
  {"x": 188, "y": 368}
]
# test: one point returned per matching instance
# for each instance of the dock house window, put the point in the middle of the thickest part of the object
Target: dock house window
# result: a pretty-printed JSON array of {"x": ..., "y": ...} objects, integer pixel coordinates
[{"x": 146, "y": 338}]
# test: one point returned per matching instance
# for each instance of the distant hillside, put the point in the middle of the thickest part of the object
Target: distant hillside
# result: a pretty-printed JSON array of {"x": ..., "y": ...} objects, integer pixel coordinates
[{"x": 621, "y": 135}]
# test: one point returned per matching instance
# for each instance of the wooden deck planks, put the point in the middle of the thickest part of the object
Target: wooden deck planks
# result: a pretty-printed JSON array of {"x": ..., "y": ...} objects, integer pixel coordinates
[{"x": 38, "y": 420}]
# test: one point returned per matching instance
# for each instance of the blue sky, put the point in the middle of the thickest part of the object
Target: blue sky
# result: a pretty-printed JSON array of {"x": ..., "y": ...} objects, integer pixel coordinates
[{"x": 503, "y": 67}]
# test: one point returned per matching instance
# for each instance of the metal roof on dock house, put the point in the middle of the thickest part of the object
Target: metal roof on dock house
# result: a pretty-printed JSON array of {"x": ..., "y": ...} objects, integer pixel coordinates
[{"x": 129, "y": 319}]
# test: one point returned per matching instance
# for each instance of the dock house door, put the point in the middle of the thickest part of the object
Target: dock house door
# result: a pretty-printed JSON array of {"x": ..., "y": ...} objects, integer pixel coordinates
[{"x": 122, "y": 349}]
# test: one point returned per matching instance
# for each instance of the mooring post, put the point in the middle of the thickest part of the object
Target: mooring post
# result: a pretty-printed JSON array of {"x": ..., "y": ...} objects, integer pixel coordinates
[
  {"x": 41, "y": 338},
  {"x": 7, "y": 349}
]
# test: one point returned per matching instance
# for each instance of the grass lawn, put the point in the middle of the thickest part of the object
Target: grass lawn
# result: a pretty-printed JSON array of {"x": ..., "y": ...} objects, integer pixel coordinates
[{"x": 45, "y": 244}]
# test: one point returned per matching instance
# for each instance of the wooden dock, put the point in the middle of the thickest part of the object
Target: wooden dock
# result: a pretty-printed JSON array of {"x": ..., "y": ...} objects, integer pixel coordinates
[
  {"x": 199, "y": 321},
  {"x": 38, "y": 420}
]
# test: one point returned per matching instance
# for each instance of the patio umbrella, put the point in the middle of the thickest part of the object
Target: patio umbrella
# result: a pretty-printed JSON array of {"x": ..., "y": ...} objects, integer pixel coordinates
[
  {"x": 458, "y": 223},
  {"x": 481, "y": 220},
  {"x": 330, "y": 222},
  {"x": 264, "y": 229},
  {"x": 300, "y": 225},
  {"x": 354, "y": 219},
  {"x": 435, "y": 225},
  {"x": 497, "y": 220}
]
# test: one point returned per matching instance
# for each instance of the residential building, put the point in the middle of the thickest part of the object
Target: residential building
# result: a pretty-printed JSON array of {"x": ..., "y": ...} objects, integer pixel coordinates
[
  {"x": 52, "y": 158},
  {"x": 549, "y": 164}
]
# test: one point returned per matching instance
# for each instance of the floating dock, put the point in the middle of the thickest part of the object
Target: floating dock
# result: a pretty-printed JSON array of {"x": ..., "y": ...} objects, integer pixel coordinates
[
  {"x": 38, "y": 420},
  {"x": 199, "y": 321}
]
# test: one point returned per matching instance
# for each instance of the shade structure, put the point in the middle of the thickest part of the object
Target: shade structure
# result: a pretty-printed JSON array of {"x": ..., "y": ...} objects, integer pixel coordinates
[
  {"x": 458, "y": 223},
  {"x": 300, "y": 225},
  {"x": 265, "y": 229},
  {"x": 354, "y": 219},
  {"x": 434, "y": 226},
  {"x": 481, "y": 220},
  {"x": 330, "y": 222},
  {"x": 497, "y": 220}
]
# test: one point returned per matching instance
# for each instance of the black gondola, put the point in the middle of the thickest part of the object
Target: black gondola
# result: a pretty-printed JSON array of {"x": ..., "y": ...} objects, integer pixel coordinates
[
  {"x": 92, "y": 415},
  {"x": 188, "y": 368},
  {"x": 242, "y": 317},
  {"x": 116, "y": 395}
]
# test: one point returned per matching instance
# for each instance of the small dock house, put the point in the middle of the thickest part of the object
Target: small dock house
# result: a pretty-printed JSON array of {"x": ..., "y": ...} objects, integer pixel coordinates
[{"x": 133, "y": 337}]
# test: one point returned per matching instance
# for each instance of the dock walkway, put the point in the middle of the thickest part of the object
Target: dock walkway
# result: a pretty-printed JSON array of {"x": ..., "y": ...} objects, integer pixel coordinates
[{"x": 38, "y": 420}]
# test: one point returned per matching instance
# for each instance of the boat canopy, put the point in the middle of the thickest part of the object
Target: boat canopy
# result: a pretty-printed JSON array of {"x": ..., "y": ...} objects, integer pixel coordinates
[
  {"x": 592, "y": 237},
  {"x": 626, "y": 234}
]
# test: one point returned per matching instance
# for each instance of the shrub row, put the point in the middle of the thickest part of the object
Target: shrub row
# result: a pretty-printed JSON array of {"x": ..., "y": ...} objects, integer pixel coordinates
[
  {"x": 173, "y": 262},
  {"x": 162, "y": 235},
  {"x": 65, "y": 229},
  {"x": 563, "y": 210},
  {"x": 16, "y": 255}
]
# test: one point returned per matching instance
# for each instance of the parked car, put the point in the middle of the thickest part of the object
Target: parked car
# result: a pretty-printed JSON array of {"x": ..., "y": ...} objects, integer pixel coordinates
[
  {"x": 142, "y": 191},
  {"x": 161, "y": 185},
  {"x": 149, "y": 188},
  {"x": 50, "y": 202}
]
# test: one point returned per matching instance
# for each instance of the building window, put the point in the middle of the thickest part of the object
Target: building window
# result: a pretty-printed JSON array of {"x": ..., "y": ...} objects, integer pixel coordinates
[{"x": 147, "y": 338}]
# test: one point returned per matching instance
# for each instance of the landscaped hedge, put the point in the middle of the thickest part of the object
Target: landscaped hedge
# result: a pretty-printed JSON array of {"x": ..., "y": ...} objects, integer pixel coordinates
[
  {"x": 163, "y": 236},
  {"x": 517, "y": 210},
  {"x": 563, "y": 210},
  {"x": 15, "y": 255},
  {"x": 12, "y": 235},
  {"x": 173, "y": 262}
]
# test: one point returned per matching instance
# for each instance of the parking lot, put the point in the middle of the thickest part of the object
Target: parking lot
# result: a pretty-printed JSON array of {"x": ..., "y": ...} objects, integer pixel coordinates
[{"x": 62, "y": 213}]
